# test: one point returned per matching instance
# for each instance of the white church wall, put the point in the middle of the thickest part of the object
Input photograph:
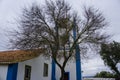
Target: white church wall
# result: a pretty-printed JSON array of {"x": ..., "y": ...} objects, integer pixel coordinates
[
  {"x": 70, "y": 67},
  {"x": 37, "y": 67},
  {"x": 3, "y": 72}
]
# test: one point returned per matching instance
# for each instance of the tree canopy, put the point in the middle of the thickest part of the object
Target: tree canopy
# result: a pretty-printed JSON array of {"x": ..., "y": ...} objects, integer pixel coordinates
[
  {"x": 104, "y": 74},
  {"x": 51, "y": 27},
  {"x": 110, "y": 54}
]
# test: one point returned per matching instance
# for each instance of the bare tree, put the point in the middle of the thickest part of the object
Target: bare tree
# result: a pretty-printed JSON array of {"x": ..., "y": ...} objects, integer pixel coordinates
[{"x": 50, "y": 27}]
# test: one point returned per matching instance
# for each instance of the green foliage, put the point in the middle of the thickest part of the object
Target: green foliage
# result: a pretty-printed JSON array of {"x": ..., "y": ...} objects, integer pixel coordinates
[
  {"x": 110, "y": 53},
  {"x": 105, "y": 74}
]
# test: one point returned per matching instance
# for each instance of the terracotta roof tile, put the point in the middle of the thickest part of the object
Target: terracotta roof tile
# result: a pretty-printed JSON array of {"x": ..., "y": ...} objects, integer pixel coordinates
[{"x": 9, "y": 57}]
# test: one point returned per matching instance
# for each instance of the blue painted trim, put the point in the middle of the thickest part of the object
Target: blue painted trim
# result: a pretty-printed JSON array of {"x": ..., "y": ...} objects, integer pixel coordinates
[
  {"x": 78, "y": 64},
  {"x": 78, "y": 61},
  {"x": 53, "y": 73},
  {"x": 68, "y": 75},
  {"x": 12, "y": 71}
]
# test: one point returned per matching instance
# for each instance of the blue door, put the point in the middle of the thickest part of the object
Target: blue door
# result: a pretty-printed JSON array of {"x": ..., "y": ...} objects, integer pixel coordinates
[{"x": 66, "y": 76}]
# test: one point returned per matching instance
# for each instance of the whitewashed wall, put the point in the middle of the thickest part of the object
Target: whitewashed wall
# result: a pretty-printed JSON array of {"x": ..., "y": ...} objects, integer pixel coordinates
[
  {"x": 3, "y": 72},
  {"x": 37, "y": 69},
  {"x": 70, "y": 67},
  {"x": 37, "y": 65}
]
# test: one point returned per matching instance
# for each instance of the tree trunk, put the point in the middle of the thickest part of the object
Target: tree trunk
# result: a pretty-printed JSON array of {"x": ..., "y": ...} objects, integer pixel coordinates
[
  {"x": 114, "y": 68},
  {"x": 117, "y": 72},
  {"x": 62, "y": 74}
]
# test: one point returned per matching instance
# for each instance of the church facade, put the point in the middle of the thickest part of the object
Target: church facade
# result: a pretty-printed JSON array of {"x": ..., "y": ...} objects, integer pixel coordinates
[{"x": 26, "y": 65}]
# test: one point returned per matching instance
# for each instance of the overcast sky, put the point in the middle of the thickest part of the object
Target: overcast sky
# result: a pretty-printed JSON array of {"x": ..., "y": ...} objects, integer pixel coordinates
[{"x": 11, "y": 9}]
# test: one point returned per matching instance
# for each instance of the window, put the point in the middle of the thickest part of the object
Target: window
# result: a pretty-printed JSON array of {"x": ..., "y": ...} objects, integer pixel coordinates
[
  {"x": 27, "y": 72},
  {"x": 45, "y": 72}
]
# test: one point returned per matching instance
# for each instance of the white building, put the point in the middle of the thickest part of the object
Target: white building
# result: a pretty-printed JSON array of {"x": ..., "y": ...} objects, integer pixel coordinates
[{"x": 28, "y": 65}]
